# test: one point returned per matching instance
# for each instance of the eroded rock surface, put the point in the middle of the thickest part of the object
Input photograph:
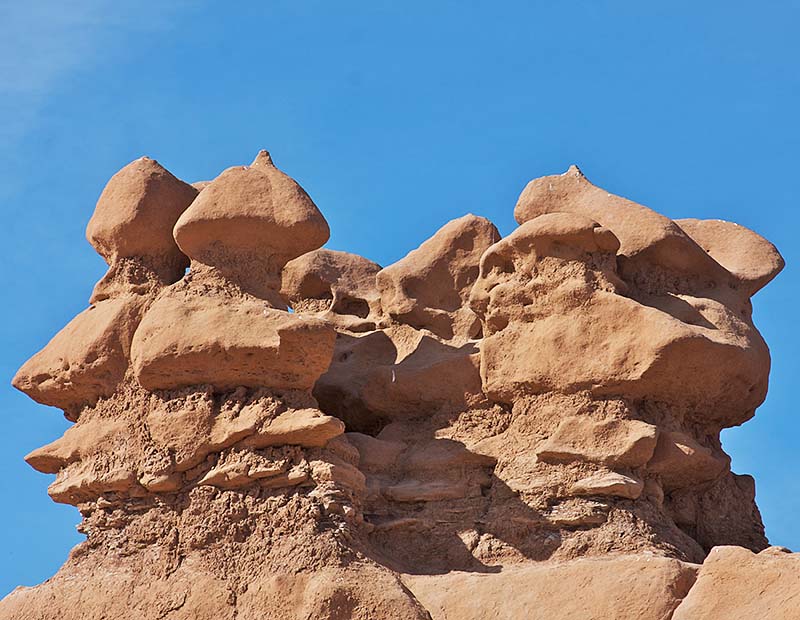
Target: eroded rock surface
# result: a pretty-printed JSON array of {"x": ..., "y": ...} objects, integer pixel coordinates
[{"x": 491, "y": 427}]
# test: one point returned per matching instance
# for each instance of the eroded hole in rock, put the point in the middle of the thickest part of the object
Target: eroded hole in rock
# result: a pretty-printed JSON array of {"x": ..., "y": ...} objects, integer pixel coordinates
[
  {"x": 355, "y": 307},
  {"x": 355, "y": 415}
]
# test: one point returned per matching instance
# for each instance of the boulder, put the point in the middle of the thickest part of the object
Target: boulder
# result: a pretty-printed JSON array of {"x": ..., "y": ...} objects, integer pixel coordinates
[
  {"x": 747, "y": 255},
  {"x": 736, "y": 584},
  {"x": 249, "y": 222},
  {"x": 680, "y": 461},
  {"x": 609, "y": 483},
  {"x": 646, "y": 238},
  {"x": 197, "y": 340},
  {"x": 337, "y": 286},
  {"x": 626, "y": 587},
  {"x": 86, "y": 360},
  {"x": 375, "y": 454},
  {"x": 135, "y": 215},
  {"x": 304, "y": 427},
  {"x": 429, "y": 288},
  {"x": 621, "y": 443}
]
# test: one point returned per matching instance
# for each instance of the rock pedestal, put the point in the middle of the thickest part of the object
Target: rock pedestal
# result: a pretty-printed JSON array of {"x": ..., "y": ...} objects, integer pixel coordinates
[{"x": 491, "y": 427}]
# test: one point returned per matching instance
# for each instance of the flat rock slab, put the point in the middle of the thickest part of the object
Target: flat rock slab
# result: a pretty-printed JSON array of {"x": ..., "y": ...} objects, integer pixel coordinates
[
  {"x": 624, "y": 443},
  {"x": 618, "y": 588},
  {"x": 199, "y": 340}
]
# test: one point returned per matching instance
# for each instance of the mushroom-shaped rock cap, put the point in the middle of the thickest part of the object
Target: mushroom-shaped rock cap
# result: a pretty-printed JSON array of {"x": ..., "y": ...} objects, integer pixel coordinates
[
  {"x": 251, "y": 213},
  {"x": 645, "y": 236},
  {"x": 135, "y": 214},
  {"x": 747, "y": 255}
]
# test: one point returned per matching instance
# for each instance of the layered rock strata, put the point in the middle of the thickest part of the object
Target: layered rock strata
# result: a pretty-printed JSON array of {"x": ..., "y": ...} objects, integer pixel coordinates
[{"x": 456, "y": 435}]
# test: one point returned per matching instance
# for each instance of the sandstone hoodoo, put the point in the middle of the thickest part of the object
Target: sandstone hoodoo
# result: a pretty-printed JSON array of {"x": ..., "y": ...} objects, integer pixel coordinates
[
  {"x": 248, "y": 223},
  {"x": 491, "y": 427}
]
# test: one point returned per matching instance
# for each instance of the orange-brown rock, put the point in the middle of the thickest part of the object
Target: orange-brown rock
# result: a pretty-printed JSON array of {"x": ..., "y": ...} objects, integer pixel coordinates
[
  {"x": 397, "y": 372},
  {"x": 429, "y": 288},
  {"x": 681, "y": 461},
  {"x": 135, "y": 215},
  {"x": 623, "y": 443},
  {"x": 195, "y": 340},
  {"x": 337, "y": 286},
  {"x": 550, "y": 291},
  {"x": 748, "y": 256},
  {"x": 77, "y": 442},
  {"x": 84, "y": 361},
  {"x": 737, "y": 584},
  {"x": 646, "y": 238},
  {"x": 488, "y": 428},
  {"x": 609, "y": 483},
  {"x": 249, "y": 222},
  {"x": 620, "y": 587}
]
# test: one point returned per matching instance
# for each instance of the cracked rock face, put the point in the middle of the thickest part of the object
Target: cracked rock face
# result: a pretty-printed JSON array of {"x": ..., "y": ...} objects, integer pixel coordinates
[{"x": 457, "y": 435}]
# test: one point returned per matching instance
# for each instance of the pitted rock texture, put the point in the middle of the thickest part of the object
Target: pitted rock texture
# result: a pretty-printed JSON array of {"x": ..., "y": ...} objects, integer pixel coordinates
[{"x": 491, "y": 427}]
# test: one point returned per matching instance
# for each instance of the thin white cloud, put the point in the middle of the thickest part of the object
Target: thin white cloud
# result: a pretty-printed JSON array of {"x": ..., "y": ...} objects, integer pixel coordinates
[{"x": 43, "y": 42}]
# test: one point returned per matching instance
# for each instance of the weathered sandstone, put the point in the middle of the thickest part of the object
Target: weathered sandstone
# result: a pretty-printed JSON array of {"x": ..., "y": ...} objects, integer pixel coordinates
[
  {"x": 195, "y": 340},
  {"x": 248, "y": 223},
  {"x": 429, "y": 288},
  {"x": 737, "y": 584},
  {"x": 338, "y": 286},
  {"x": 518, "y": 427},
  {"x": 135, "y": 215}
]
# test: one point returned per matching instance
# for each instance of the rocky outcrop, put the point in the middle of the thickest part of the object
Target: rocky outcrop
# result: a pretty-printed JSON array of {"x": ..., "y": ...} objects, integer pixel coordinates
[
  {"x": 491, "y": 427},
  {"x": 337, "y": 286},
  {"x": 248, "y": 223},
  {"x": 737, "y": 584},
  {"x": 428, "y": 288},
  {"x": 623, "y": 587}
]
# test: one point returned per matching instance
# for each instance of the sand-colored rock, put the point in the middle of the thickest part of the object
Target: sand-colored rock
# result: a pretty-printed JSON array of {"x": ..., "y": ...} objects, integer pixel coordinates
[
  {"x": 193, "y": 432},
  {"x": 79, "y": 483},
  {"x": 646, "y": 238},
  {"x": 86, "y": 360},
  {"x": 304, "y": 427},
  {"x": 681, "y": 461},
  {"x": 747, "y": 255},
  {"x": 193, "y": 591},
  {"x": 416, "y": 491},
  {"x": 526, "y": 427},
  {"x": 249, "y": 222},
  {"x": 75, "y": 444},
  {"x": 135, "y": 215},
  {"x": 622, "y": 443},
  {"x": 737, "y": 584},
  {"x": 549, "y": 292},
  {"x": 397, "y": 372},
  {"x": 337, "y": 286},
  {"x": 622, "y": 588},
  {"x": 375, "y": 454},
  {"x": 429, "y": 288},
  {"x": 609, "y": 483},
  {"x": 197, "y": 340}
]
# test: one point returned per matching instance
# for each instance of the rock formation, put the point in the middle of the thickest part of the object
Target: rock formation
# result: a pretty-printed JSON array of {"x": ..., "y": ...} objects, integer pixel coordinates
[{"x": 491, "y": 427}]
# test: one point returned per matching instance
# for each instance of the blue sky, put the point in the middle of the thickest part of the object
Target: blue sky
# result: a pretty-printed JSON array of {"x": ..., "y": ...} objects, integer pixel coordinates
[{"x": 395, "y": 117}]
